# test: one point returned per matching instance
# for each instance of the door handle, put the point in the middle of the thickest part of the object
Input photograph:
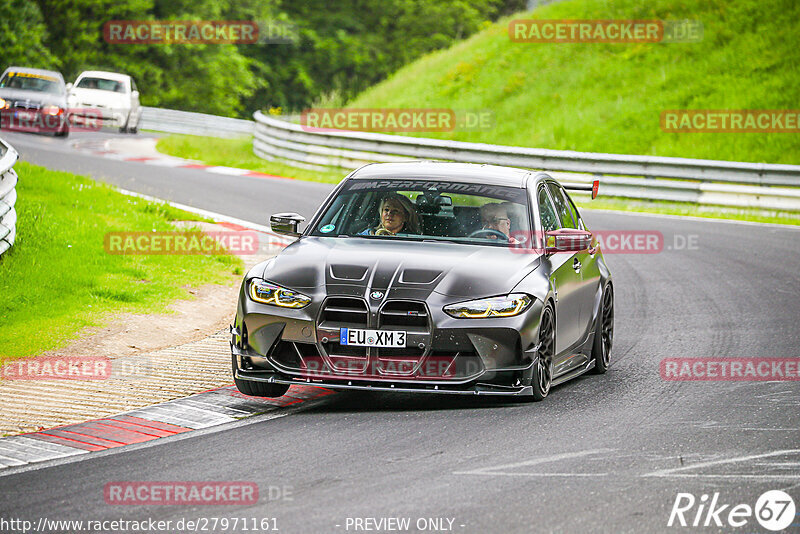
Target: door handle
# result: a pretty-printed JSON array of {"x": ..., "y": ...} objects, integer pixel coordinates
[{"x": 576, "y": 265}]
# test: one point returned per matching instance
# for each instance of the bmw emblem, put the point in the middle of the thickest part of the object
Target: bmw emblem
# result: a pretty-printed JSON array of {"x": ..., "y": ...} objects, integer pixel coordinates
[{"x": 376, "y": 295}]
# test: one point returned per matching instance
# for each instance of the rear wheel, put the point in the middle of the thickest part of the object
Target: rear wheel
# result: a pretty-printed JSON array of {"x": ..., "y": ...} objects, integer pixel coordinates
[
  {"x": 257, "y": 389},
  {"x": 604, "y": 332},
  {"x": 543, "y": 367}
]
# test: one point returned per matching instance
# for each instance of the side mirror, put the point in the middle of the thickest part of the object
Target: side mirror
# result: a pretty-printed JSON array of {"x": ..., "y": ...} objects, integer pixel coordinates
[
  {"x": 567, "y": 240},
  {"x": 135, "y": 94},
  {"x": 69, "y": 87},
  {"x": 286, "y": 223}
]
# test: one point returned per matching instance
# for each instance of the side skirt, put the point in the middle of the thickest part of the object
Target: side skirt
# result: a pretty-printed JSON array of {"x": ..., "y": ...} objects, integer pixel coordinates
[{"x": 588, "y": 366}]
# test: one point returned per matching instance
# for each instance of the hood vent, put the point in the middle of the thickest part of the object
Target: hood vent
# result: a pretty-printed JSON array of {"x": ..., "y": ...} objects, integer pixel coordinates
[
  {"x": 419, "y": 276},
  {"x": 355, "y": 273}
]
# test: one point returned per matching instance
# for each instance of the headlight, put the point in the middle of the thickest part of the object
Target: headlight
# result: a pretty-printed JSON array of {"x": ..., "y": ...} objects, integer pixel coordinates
[
  {"x": 269, "y": 293},
  {"x": 52, "y": 110},
  {"x": 507, "y": 306},
  {"x": 4, "y": 104}
]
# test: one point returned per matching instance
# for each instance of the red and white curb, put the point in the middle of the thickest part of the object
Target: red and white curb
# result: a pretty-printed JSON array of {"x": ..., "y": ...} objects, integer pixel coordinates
[
  {"x": 202, "y": 410},
  {"x": 102, "y": 147}
]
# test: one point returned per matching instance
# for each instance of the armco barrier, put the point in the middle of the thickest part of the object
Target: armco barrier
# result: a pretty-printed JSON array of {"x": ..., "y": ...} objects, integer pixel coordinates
[
  {"x": 722, "y": 183},
  {"x": 8, "y": 196},
  {"x": 185, "y": 122}
]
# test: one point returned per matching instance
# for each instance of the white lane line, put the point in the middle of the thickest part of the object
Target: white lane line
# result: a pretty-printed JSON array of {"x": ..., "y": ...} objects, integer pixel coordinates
[
  {"x": 497, "y": 470},
  {"x": 231, "y": 171},
  {"x": 10, "y": 462},
  {"x": 55, "y": 448},
  {"x": 678, "y": 471}
]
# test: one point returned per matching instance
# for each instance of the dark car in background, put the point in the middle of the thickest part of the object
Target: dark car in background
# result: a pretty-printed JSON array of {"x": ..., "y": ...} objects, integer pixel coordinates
[
  {"x": 33, "y": 100},
  {"x": 432, "y": 278}
]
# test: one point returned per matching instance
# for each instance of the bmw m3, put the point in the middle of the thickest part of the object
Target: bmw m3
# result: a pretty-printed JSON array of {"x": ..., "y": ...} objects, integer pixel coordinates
[{"x": 432, "y": 278}]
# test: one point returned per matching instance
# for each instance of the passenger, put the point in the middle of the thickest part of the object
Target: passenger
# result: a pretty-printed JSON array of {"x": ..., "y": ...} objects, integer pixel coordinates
[{"x": 397, "y": 215}]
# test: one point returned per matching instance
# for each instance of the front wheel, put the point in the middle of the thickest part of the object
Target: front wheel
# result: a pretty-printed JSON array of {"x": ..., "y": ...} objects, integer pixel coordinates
[
  {"x": 542, "y": 377},
  {"x": 257, "y": 389},
  {"x": 604, "y": 332}
]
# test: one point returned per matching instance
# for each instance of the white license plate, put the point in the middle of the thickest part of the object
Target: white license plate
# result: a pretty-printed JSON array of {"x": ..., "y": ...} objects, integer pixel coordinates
[{"x": 372, "y": 338}]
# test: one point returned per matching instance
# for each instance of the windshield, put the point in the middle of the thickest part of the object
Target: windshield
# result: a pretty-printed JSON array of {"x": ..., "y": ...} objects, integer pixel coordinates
[
  {"x": 424, "y": 209},
  {"x": 102, "y": 84},
  {"x": 31, "y": 82}
]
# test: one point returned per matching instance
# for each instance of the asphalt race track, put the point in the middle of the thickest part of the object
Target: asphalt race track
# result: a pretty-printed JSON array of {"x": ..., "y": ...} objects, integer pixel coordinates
[{"x": 600, "y": 454}]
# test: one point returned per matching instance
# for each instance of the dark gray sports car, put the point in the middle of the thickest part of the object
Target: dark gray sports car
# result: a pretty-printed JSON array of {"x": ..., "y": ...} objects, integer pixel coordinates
[{"x": 432, "y": 278}]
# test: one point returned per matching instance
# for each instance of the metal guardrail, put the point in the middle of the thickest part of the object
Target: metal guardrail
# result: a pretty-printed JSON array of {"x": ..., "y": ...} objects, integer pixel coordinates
[
  {"x": 723, "y": 183},
  {"x": 8, "y": 196},
  {"x": 185, "y": 122}
]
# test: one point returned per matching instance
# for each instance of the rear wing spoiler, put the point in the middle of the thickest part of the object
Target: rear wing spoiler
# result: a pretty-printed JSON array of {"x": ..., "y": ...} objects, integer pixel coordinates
[{"x": 584, "y": 187}]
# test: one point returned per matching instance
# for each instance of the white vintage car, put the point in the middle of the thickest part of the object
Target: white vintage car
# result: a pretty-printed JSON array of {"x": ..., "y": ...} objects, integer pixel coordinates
[{"x": 109, "y": 96}]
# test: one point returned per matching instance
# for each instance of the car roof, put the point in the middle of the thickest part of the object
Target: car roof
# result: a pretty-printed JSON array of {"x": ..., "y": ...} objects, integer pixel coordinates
[
  {"x": 43, "y": 72},
  {"x": 472, "y": 173},
  {"x": 116, "y": 76}
]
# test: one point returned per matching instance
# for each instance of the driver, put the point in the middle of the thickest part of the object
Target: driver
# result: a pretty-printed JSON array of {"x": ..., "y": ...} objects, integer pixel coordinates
[
  {"x": 397, "y": 215},
  {"x": 494, "y": 216}
]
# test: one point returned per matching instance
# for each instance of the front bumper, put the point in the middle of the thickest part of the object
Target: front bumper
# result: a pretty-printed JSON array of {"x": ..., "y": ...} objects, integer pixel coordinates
[
  {"x": 98, "y": 116},
  {"x": 492, "y": 356}
]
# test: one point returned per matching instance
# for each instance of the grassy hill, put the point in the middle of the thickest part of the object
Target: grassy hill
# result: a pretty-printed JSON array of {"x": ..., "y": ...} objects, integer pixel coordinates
[{"x": 608, "y": 97}]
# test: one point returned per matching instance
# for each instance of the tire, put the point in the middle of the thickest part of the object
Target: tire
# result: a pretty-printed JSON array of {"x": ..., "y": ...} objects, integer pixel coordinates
[
  {"x": 257, "y": 389},
  {"x": 604, "y": 332},
  {"x": 63, "y": 133},
  {"x": 542, "y": 376}
]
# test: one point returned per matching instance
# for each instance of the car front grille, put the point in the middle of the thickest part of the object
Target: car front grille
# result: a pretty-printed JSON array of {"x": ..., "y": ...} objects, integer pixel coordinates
[
  {"x": 407, "y": 315},
  {"x": 345, "y": 312}
]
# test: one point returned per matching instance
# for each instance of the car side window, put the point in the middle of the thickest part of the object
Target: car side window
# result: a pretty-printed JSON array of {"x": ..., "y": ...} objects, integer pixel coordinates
[
  {"x": 546, "y": 212},
  {"x": 562, "y": 210},
  {"x": 570, "y": 206},
  {"x": 572, "y": 209},
  {"x": 133, "y": 85}
]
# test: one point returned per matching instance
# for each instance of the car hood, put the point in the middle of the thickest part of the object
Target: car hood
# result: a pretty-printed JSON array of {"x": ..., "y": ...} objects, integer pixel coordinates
[
  {"x": 45, "y": 99},
  {"x": 355, "y": 265}
]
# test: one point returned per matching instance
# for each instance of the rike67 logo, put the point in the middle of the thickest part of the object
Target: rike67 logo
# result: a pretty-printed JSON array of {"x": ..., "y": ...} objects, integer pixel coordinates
[{"x": 774, "y": 510}]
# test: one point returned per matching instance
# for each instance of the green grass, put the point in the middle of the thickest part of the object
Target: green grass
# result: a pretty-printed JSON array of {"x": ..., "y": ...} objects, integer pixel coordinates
[
  {"x": 57, "y": 279},
  {"x": 608, "y": 97},
  {"x": 238, "y": 153}
]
